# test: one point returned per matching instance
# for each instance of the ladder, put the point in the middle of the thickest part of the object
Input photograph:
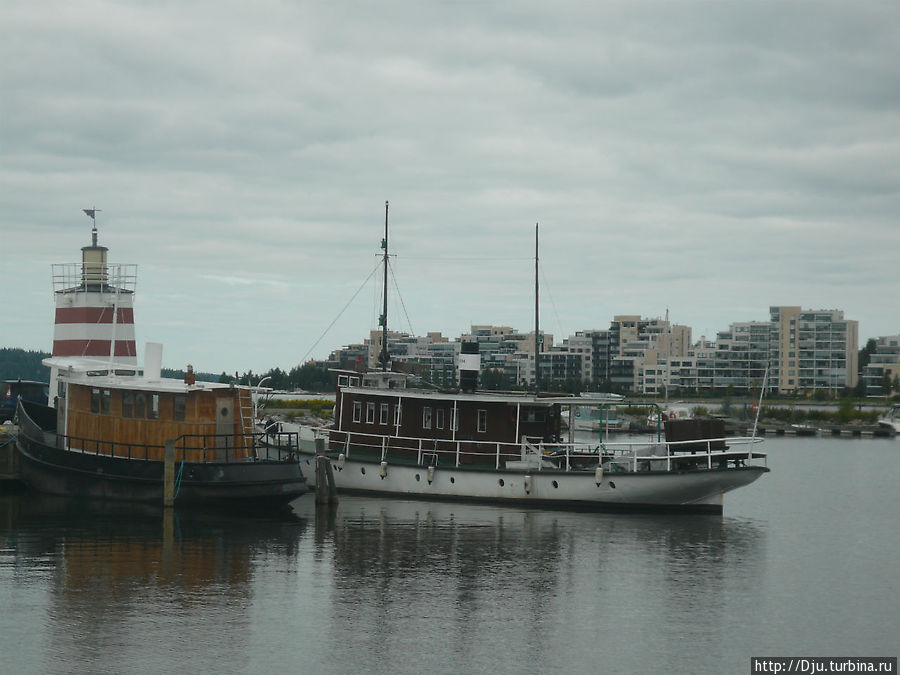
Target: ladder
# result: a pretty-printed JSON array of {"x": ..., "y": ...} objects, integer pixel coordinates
[{"x": 245, "y": 407}]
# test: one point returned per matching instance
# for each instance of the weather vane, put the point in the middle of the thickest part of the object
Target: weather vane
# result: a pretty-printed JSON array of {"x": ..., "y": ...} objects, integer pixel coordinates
[{"x": 92, "y": 212}]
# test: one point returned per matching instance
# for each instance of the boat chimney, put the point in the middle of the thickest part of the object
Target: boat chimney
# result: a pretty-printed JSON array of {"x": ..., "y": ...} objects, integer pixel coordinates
[
  {"x": 469, "y": 366},
  {"x": 153, "y": 360}
]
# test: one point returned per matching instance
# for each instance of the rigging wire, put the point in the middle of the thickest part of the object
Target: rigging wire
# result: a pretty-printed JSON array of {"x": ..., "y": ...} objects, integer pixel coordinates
[
  {"x": 552, "y": 303},
  {"x": 402, "y": 304},
  {"x": 334, "y": 321}
]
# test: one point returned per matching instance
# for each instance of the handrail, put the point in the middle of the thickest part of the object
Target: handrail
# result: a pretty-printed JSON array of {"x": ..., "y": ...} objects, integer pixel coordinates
[
  {"x": 191, "y": 448},
  {"x": 570, "y": 456}
]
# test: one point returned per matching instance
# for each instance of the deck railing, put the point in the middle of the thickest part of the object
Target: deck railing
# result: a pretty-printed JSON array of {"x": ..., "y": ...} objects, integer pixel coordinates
[{"x": 534, "y": 453}]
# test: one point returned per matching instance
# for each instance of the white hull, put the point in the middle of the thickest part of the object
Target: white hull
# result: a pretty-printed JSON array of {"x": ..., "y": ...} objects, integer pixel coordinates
[
  {"x": 890, "y": 423},
  {"x": 661, "y": 490}
]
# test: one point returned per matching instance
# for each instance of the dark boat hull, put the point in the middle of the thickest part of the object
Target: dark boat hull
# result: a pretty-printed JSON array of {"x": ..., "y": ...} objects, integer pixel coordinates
[{"x": 58, "y": 471}]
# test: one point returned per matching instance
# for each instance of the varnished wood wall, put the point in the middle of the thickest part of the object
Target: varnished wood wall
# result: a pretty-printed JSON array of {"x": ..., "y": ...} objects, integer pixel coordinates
[{"x": 140, "y": 437}]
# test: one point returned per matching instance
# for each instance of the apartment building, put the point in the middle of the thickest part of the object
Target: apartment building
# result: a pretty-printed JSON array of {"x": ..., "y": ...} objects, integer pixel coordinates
[{"x": 883, "y": 365}]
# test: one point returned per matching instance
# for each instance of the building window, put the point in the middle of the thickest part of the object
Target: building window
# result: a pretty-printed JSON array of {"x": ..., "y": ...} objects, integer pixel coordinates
[
  {"x": 357, "y": 411},
  {"x": 180, "y": 405},
  {"x": 370, "y": 413},
  {"x": 95, "y": 400},
  {"x": 127, "y": 404},
  {"x": 482, "y": 421},
  {"x": 426, "y": 417},
  {"x": 439, "y": 421},
  {"x": 385, "y": 411}
]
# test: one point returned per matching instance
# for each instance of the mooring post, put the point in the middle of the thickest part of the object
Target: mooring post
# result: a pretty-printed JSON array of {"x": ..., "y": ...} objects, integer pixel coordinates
[
  {"x": 326, "y": 493},
  {"x": 169, "y": 475}
]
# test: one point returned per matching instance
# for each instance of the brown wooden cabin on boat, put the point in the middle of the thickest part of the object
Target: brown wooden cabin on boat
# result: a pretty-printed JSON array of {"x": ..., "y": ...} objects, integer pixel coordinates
[
  {"x": 109, "y": 417},
  {"x": 367, "y": 405}
]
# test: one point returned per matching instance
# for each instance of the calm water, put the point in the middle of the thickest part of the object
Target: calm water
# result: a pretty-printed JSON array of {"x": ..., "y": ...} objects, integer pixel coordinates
[{"x": 803, "y": 563}]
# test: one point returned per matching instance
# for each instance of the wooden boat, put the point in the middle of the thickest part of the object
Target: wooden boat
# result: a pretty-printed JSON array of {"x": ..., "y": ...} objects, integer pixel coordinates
[
  {"x": 106, "y": 431},
  {"x": 393, "y": 438}
]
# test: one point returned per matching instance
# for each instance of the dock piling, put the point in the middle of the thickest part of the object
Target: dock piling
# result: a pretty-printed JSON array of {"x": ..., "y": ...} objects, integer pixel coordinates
[
  {"x": 326, "y": 492},
  {"x": 169, "y": 475}
]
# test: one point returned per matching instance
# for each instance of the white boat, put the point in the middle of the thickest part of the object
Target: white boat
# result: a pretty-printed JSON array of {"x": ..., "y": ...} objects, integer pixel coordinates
[
  {"x": 393, "y": 438},
  {"x": 596, "y": 420},
  {"x": 890, "y": 420}
]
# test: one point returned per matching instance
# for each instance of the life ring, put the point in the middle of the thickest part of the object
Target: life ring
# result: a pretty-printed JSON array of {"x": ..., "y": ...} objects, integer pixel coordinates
[{"x": 672, "y": 415}]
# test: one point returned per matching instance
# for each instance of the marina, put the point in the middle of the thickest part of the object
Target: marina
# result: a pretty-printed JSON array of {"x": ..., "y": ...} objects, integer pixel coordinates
[{"x": 409, "y": 586}]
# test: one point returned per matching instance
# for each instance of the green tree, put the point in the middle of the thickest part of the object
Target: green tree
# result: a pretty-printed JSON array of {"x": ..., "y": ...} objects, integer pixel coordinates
[
  {"x": 865, "y": 354},
  {"x": 494, "y": 379}
]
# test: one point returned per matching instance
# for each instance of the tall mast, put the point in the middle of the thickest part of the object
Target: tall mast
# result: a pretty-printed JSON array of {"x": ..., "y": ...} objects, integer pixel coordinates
[
  {"x": 383, "y": 357},
  {"x": 537, "y": 346}
]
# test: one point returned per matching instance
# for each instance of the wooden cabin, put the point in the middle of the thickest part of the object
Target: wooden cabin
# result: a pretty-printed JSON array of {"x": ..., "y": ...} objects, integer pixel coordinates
[
  {"x": 372, "y": 406},
  {"x": 131, "y": 416}
]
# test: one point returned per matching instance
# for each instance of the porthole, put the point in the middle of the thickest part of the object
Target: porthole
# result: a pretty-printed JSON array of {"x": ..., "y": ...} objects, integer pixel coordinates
[
  {"x": 452, "y": 479},
  {"x": 362, "y": 470},
  {"x": 501, "y": 482},
  {"x": 418, "y": 478},
  {"x": 612, "y": 485},
  {"x": 555, "y": 484}
]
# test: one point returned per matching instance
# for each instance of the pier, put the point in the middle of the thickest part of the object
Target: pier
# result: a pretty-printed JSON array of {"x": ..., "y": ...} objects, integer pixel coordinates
[{"x": 848, "y": 431}]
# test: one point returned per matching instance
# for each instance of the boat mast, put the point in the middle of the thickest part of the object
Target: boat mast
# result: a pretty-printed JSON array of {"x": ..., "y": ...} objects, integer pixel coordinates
[
  {"x": 537, "y": 347},
  {"x": 383, "y": 357}
]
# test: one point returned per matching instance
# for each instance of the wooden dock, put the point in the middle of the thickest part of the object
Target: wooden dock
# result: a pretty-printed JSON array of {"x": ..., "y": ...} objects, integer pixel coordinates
[{"x": 827, "y": 430}]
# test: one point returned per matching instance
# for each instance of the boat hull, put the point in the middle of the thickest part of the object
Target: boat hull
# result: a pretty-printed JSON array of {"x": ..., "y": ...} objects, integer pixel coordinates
[
  {"x": 58, "y": 471},
  {"x": 695, "y": 490}
]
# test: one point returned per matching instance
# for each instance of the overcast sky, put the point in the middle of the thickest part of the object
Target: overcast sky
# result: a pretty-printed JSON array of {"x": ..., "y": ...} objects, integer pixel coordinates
[{"x": 710, "y": 158}]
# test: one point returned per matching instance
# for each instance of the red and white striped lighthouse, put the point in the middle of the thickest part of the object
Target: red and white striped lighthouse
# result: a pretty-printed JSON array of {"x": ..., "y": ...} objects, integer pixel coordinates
[{"x": 95, "y": 307}]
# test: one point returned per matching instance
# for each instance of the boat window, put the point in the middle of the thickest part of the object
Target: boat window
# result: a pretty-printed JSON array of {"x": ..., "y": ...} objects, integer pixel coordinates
[
  {"x": 153, "y": 412},
  {"x": 127, "y": 404},
  {"x": 454, "y": 420},
  {"x": 439, "y": 418},
  {"x": 385, "y": 411},
  {"x": 342, "y": 380},
  {"x": 61, "y": 389},
  {"x": 125, "y": 372},
  {"x": 370, "y": 413},
  {"x": 140, "y": 405},
  {"x": 398, "y": 414},
  {"x": 104, "y": 402},
  {"x": 354, "y": 381},
  {"x": 426, "y": 417},
  {"x": 180, "y": 405},
  {"x": 357, "y": 411},
  {"x": 95, "y": 400},
  {"x": 97, "y": 373},
  {"x": 482, "y": 421}
]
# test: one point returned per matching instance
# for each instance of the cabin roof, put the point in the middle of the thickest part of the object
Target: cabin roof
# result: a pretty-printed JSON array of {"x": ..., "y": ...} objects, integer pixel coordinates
[
  {"x": 512, "y": 398},
  {"x": 118, "y": 375}
]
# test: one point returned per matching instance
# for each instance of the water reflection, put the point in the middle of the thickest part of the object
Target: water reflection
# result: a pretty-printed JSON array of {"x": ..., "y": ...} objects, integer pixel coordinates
[
  {"x": 545, "y": 584},
  {"x": 377, "y": 584},
  {"x": 110, "y": 576}
]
